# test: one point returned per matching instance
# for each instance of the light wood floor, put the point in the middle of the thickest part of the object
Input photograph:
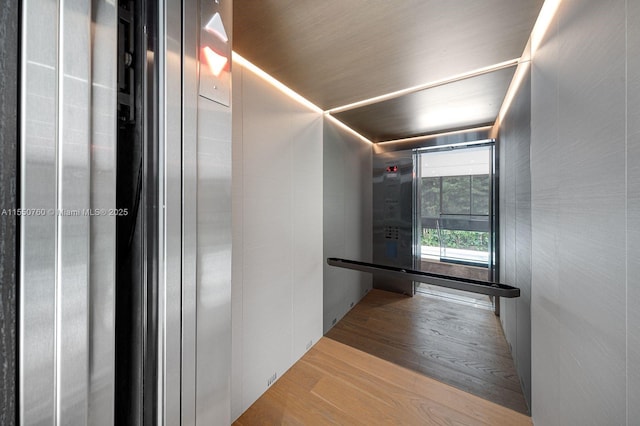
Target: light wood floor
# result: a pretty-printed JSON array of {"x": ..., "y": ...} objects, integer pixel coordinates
[{"x": 337, "y": 384}]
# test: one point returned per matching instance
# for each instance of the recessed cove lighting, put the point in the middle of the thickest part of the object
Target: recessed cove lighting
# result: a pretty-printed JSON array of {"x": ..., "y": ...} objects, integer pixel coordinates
[
  {"x": 345, "y": 127},
  {"x": 438, "y": 135},
  {"x": 216, "y": 27},
  {"x": 238, "y": 59},
  {"x": 547, "y": 13},
  {"x": 275, "y": 83},
  {"x": 430, "y": 85}
]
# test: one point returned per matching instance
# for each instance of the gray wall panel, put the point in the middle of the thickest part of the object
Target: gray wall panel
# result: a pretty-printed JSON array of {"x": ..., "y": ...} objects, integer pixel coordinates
[
  {"x": 347, "y": 189},
  {"x": 236, "y": 246},
  {"x": 8, "y": 200},
  {"x": 633, "y": 210},
  {"x": 515, "y": 229},
  {"x": 277, "y": 234},
  {"x": 578, "y": 217},
  {"x": 546, "y": 396}
]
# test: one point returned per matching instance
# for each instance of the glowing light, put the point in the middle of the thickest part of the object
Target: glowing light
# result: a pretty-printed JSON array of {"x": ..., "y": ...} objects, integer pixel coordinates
[
  {"x": 516, "y": 82},
  {"x": 547, "y": 12},
  {"x": 216, "y": 27},
  {"x": 427, "y": 137},
  {"x": 215, "y": 61},
  {"x": 409, "y": 90},
  {"x": 275, "y": 83},
  {"x": 345, "y": 127}
]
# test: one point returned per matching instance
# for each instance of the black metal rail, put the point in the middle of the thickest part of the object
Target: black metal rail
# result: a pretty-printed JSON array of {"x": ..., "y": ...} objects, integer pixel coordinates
[{"x": 474, "y": 286}]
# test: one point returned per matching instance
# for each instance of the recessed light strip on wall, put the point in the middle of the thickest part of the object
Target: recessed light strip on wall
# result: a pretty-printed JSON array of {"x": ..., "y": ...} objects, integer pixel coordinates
[
  {"x": 345, "y": 127},
  {"x": 293, "y": 95},
  {"x": 516, "y": 82},
  {"x": 547, "y": 12},
  {"x": 418, "y": 88},
  {"x": 437, "y": 135},
  {"x": 284, "y": 89},
  {"x": 456, "y": 145}
]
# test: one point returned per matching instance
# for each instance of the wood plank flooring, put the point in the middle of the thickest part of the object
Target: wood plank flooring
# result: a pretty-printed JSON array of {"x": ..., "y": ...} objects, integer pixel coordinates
[
  {"x": 455, "y": 344},
  {"x": 336, "y": 384}
]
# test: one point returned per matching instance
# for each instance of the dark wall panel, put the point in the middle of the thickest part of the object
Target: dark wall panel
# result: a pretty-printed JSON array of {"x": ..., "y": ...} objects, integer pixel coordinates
[
  {"x": 515, "y": 229},
  {"x": 8, "y": 200}
]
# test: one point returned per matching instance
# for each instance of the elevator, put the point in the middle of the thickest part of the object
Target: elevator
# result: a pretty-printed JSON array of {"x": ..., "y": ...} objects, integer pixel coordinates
[
  {"x": 434, "y": 211},
  {"x": 125, "y": 162}
]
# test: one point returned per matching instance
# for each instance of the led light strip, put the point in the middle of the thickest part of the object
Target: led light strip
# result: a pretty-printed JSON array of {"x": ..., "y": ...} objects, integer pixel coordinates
[
  {"x": 437, "y": 135},
  {"x": 293, "y": 95},
  {"x": 275, "y": 83},
  {"x": 430, "y": 85},
  {"x": 345, "y": 127},
  {"x": 547, "y": 12}
]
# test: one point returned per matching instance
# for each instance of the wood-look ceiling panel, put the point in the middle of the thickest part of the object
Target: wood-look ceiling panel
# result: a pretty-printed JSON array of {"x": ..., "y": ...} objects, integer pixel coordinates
[
  {"x": 466, "y": 103},
  {"x": 335, "y": 52}
]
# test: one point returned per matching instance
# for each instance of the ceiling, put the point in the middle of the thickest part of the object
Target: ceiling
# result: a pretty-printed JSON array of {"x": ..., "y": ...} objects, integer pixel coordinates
[{"x": 441, "y": 55}]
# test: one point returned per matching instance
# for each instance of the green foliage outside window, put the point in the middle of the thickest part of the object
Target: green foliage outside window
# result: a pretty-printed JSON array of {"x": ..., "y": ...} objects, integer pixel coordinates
[
  {"x": 455, "y": 195},
  {"x": 466, "y": 240}
]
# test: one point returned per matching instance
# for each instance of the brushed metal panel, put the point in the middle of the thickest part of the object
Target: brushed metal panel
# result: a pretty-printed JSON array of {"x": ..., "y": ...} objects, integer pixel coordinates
[
  {"x": 215, "y": 41},
  {"x": 38, "y": 179},
  {"x": 335, "y": 52},
  {"x": 633, "y": 211},
  {"x": 213, "y": 268},
  {"x": 67, "y": 353},
  {"x": 170, "y": 258},
  {"x": 214, "y": 264},
  {"x": 578, "y": 186},
  {"x": 393, "y": 214},
  {"x": 190, "y": 32},
  {"x": 102, "y": 228},
  {"x": 467, "y": 103},
  {"x": 72, "y": 295}
]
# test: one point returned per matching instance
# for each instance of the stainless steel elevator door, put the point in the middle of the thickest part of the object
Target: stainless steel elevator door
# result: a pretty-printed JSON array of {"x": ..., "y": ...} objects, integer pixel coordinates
[{"x": 67, "y": 161}]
